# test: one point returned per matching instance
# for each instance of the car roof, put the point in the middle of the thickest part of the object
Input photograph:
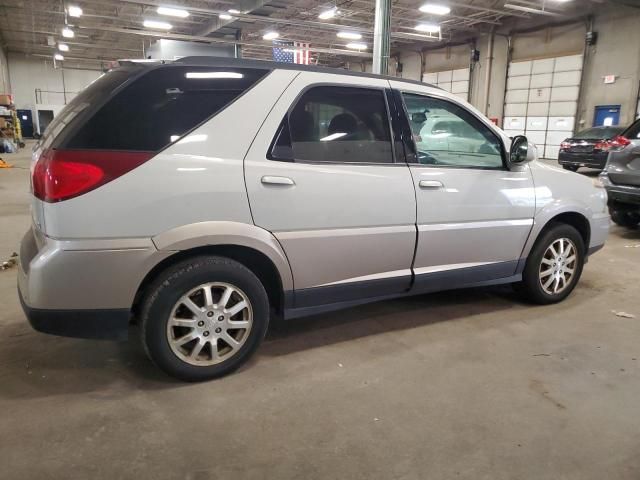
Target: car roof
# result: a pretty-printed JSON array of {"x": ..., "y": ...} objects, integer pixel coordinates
[{"x": 197, "y": 61}]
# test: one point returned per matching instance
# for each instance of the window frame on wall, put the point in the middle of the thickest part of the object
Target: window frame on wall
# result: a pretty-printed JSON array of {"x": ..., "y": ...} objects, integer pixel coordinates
[
  {"x": 284, "y": 130},
  {"x": 412, "y": 143}
]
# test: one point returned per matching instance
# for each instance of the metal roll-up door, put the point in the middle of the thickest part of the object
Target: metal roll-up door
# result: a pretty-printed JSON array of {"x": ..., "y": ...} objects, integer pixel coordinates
[
  {"x": 454, "y": 81},
  {"x": 541, "y": 100}
]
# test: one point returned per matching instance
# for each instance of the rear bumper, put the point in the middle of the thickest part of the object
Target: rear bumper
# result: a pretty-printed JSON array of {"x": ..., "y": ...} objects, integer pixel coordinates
[
  {"x": 622, "y": 193},
  {"x": 82, "y": 288},
  {"x": 583, "y": 159},
  {"x": 98, "y": 324}
]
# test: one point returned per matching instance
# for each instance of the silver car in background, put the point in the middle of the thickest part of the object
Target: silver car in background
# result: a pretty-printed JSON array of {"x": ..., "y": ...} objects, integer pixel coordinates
[{"x": 201, "y": 198}]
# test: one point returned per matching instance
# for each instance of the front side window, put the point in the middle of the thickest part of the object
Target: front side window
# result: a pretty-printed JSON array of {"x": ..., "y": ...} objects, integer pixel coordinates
[
  {"x": 446, "y": 134},
  {"x": 337, "y": 124}
]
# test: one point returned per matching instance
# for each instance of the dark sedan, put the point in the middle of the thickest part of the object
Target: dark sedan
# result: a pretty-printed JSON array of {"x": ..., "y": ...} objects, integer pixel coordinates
[{"x": 588, "y": 148}]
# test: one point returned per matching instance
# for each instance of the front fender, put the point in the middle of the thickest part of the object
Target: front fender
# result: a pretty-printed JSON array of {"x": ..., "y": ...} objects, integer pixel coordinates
[{"x": 204, "y": 234}]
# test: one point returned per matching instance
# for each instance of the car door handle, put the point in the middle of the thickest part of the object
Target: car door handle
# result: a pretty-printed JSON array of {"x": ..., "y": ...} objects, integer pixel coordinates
[
  {"x": 431, "y": 184},
  {"x": 271, "y": 180}
]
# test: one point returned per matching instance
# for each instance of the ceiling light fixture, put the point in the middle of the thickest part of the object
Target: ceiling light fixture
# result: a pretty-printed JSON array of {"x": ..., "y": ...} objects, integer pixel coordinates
[
  {"x": 58, "y": 56},
  {"x": 233, "y": 11},
  {"x": 428, "y": 28},
  {"x": 225, "y": 16},
  {"x": 68, "y": 33},
  {"x": 520, "y": 8},
  {"x": 270, "y": 36},
  {"x": 63, "y": 47},
  {"x": 349, "y": 35},
  {"x": 157, "y": 25},
  {"x": 173, "y": 12},
  {"x": 435, "y": 8},
  {"x": 327, "y": 14},
  {"x": 357, "y": 46},
  {"x": 74, "y": 11}
]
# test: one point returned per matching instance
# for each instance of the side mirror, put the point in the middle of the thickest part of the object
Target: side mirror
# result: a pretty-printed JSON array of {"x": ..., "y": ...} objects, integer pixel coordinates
[{"x": 522, "y": 151}]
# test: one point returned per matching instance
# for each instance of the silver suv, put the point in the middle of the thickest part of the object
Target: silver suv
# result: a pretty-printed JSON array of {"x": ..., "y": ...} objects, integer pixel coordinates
[{"x": 205, "y": 196}]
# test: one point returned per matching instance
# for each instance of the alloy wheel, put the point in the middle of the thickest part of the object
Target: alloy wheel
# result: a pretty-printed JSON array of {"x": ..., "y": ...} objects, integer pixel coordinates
[
  {"x": 558, "y": 266},
  {"x": 210, "y": 324}
]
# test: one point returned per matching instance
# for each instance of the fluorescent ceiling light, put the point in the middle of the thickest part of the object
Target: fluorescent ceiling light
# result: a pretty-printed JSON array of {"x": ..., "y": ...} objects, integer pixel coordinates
[
  {"x": 58, "y": 56},
  {"x": 333, "y": 136},
  {"x": 532, "y": 10},
  {"x": 74, "y": 11},
  {"x": 435, "y": 8},
  {"x": 214, "y": 75},
  {"x": 225, "y": 16},
  {"x": 270, "y": 35},
  {"x": 173, "y": 12},
  {"x": 428, "y": 28},
  {"x": 357, "y": 46},
  {"x": 234, "y": 11},
  {"x": 63, "y": 47},
  {"x": 349, "y": 35},
  {"x": 327, "y": 14},
  {"x": 67, "y": 33},
  {"x": 157, "y": 25}
]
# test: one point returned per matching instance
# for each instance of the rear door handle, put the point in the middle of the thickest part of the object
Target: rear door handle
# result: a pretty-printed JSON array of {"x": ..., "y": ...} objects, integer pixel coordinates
[
  {"x": 431, "y": 184},
  {"x": 271, "y": 180}
]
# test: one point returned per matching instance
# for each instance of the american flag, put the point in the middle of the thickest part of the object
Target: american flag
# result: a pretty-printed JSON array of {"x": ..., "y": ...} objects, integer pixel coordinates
[{"x": 291, "y": 52}]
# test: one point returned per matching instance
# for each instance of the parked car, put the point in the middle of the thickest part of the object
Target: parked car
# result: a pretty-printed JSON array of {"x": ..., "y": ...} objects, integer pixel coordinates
[
  {"x": 589, "y": 148},
  {"x": 621, "y": 178},
  {"x": 204, "y": 196}
]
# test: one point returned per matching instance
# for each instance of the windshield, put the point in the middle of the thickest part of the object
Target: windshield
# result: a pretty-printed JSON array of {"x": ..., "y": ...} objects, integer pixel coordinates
[{"x": 598, "y": 133}]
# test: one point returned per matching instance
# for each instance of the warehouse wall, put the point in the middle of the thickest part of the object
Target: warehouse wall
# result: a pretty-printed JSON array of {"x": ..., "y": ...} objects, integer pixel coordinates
[
  {"x": 5, "y": 84},
  {"x": 616, "y": 53},
  {"x": 29, "y": 73}
]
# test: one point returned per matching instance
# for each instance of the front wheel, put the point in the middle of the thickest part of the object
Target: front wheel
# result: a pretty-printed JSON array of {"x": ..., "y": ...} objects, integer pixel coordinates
[
  {"x": 204, "y": 317},
  {"x": 554, "y": 265},
  {"x": 572, "y": 168}
]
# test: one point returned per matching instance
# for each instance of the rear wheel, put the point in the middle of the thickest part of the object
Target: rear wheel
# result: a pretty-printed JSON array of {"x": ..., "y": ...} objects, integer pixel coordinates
[
  {"x": 204, "y": 317},
  {"x": 573, "y": 168},
  {"x": 625, "y": 217},
  {"x": 554, "y": 265}
]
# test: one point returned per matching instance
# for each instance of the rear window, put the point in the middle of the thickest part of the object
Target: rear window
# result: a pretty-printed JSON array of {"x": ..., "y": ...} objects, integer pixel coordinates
[
  {"x": 633, "y": 132},
  {"x": 598, "y": 133},
  {"x": 161, "y": 106}
]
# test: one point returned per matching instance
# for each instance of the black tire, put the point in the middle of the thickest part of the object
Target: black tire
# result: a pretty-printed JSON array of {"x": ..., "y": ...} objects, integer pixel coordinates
[
  {"x": 171, "y": 285},
  {"x": 572, "y": 168},
  {"x": 624, "y": 217},
  {"x": 531, "y": 287}
]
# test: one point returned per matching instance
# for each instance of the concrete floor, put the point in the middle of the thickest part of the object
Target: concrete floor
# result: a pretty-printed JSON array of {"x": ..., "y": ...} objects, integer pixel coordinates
[{"x": 470, "y": 384}]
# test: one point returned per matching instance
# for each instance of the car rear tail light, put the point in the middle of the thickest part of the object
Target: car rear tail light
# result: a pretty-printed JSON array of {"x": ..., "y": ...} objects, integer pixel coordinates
[
  {"x": 616, "y": 143},
  {"x": 565, "y": 146},
  {"x": 63, "y": 174}
]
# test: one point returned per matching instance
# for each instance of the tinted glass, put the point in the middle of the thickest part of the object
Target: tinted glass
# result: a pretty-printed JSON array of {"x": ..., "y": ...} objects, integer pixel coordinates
[
  {"x": 446, "y": 134},
  {"x": 96, "y": 92},
  {"x": 633, "y": 132},
  {"x": 341, "y": 124},
  {"x": 598, "y": 133},
  {"x": 161, "y": 106}
]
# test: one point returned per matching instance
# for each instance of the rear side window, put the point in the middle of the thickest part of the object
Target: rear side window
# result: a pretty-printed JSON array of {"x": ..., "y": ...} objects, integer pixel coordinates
[
  {"x": 633, "y": 132},
  {"x": 95, "y": 93},
  {"x": 161, "y": 106},
  {"x": 336, "y": 124}
]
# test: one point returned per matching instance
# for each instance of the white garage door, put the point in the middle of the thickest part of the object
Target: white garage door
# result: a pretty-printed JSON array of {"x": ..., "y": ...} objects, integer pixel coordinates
[
  {"x": 454, "y": 81},
  {"x": 541, "y": 101}
]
